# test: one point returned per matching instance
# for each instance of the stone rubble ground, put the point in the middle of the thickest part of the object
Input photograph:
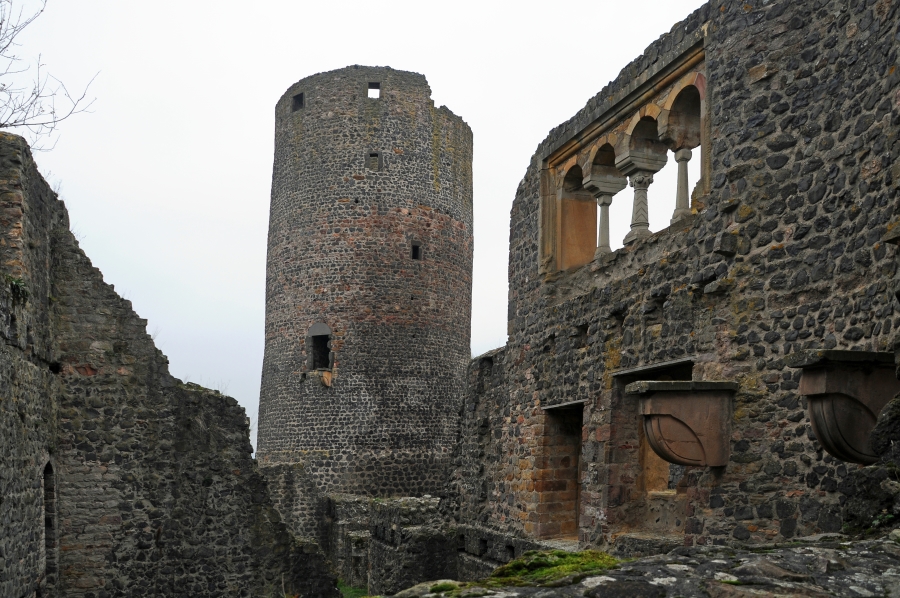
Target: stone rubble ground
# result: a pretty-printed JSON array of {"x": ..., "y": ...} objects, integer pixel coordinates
[{"x": 823, "y": 568}]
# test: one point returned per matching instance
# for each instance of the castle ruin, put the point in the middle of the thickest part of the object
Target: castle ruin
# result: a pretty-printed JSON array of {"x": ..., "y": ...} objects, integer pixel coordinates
[{"x": 723, "y": 381}]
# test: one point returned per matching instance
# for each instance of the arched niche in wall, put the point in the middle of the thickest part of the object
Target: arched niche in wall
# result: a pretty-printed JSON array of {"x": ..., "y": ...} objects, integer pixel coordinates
[
  {"x": 641, "y": 151},
  {"x": 681, "y": 128},
  {"x": 603, "y": 180},
  {"x": 577, "y": 210},
  {"x": 683, "y": 123}
]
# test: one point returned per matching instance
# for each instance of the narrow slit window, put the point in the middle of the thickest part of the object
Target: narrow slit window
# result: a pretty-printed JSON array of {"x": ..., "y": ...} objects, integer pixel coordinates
[
  {"x": 375, "y": 90},
  {"x": 373, "y": 161},
  {"x": 51, "y": 563},
  {"x": 416, "y": 252},
  {"x": 297, "y": 103}
]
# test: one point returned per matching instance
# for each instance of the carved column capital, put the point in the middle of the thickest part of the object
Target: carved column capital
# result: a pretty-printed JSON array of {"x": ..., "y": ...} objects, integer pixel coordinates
[
  {"x": 641, "y": 180},
  {"x": 683, "y": 155}
]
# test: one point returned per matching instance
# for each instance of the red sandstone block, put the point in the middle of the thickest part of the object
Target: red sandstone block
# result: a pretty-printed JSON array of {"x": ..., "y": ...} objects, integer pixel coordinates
[
  {"x": 567, "y": 496},
  {"x": 544, "y": 474},
  {"x": 566, "y": 512},
  {"x": 557, "y": 485},
  {"x": 568, "y": 528},
  {"x": 547, "y": 530},
  {"x": 602, "y": 433}
]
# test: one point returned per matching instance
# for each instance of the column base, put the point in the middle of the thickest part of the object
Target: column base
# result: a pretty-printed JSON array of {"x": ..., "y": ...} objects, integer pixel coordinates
[
  {"x": 635, "y": 234},
  {"x": 601, "y": 251},
  {"x": 679, "y": 214}
]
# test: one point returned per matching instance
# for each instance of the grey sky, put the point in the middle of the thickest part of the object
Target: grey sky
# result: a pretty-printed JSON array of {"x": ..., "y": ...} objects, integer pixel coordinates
[{"x": 167, "y": 180}]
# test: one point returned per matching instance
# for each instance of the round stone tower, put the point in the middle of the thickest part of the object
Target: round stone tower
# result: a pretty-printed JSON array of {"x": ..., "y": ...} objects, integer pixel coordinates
[{"x": 368, "y": 285}]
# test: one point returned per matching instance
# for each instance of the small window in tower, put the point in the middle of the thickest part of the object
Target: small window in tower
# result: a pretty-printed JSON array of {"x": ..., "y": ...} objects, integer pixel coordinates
[
  {"x": 298, "y": 102},
  {"x": 320, "y": 352},
  {"x": 375, "y": 90},
  {"x": 373, "y": 161},
  {"x": 416, "y": 250}
]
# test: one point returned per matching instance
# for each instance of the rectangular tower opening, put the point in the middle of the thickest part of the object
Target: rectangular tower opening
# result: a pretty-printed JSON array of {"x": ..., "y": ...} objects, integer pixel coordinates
[
  {"x": 375, "y": 90},
  {"x": 416, "y": 250},
  {"x": 373, "y": 161},
  {"x": 297, "y": 104},
  {"x": 320, "y": 352}
]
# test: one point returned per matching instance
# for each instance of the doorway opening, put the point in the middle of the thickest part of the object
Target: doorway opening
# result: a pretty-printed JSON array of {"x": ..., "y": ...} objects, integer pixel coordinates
[{"x": 558, "y": 482}]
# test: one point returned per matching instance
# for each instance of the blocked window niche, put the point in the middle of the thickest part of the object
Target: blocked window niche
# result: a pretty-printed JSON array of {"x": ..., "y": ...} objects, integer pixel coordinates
[
  {"x": 297, "y": 102},
  {"x": 416, "y": 250},
  {"x": 557, "y": 480},
  {"x": 373, "y": 161},
  {"x": 656, "y": 476},
  {"x": 374, "y": 90},
  {"x": 318, "y": 347}
]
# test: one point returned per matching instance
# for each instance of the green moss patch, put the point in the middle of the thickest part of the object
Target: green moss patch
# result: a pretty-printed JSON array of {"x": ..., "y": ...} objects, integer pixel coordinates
[
  {"x": 443, "y": 587},
  {"x": 540, "y": 568},
  {"x": 348, "y": 591}
]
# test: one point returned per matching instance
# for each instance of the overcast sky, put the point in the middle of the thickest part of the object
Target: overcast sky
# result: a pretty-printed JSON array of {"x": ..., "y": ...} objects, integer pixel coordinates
[{"x": 167, "y": 180}]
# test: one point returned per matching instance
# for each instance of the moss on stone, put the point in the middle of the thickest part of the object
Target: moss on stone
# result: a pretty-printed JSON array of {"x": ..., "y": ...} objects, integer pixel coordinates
[{"x": 539, "y": 568}]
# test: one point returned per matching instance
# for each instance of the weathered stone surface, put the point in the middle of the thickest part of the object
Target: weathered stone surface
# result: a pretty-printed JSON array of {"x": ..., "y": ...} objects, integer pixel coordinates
[
  {"x": 115, "y": 478},
  {"x": 370, "y": 240},
  {"x": 785, "y": 253},
  {"x": 885, "y": 436},
  {"x": 820, "y": 569}
]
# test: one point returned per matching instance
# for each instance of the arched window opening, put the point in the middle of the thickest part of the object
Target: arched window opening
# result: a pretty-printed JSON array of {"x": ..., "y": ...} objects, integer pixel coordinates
[
  {"x": 683, "y": 129},
  {"x": 683, "y": 134},
  {"x": 604, "y": 182},
  {"x": 646, "y": 149},
  {"x": 577, "y": 236},
  {"x": 573, "y": 179},
  {"x": 646, "y": 156}
]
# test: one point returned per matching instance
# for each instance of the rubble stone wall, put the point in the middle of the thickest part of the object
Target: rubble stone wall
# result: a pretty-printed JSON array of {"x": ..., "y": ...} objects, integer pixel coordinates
[
  {"x": 783, "y": 253},
  {"x": 152, "y": 488},
  {"x": 357, "y": 184}
]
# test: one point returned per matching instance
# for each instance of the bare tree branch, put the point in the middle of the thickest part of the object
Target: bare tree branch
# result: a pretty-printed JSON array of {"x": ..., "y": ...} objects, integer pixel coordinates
[{"x": 36, "y": 105}]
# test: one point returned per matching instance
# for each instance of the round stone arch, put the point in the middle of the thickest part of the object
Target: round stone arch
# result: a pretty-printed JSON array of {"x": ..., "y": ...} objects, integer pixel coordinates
[
  {"x": 680, "y": 122},
  {"x": 601, "y": 143},
  {"x": 639, "y": 150}
]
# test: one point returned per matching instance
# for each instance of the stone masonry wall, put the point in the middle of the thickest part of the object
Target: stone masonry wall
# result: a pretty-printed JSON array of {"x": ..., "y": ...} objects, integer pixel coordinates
[
  {"x": 155, "y": 492},
  {"x": 357, "y": 181},
  {"x": 784, "y": 253},
  {"x": 28, "y": 413}
]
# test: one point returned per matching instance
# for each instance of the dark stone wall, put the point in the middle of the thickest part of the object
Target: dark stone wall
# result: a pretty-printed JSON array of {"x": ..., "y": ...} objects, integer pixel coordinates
[
  {"x": 28, "y": 413},
  {"x": 804, "y": 112},
  {"x": 408, "y": 545},
  {"x": 381, "y": 419},
  {"x": 155, "y": 489}
]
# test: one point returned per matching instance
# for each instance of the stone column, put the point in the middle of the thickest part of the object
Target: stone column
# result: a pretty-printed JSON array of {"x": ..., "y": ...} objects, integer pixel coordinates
[
  {"x": 640, "y": 221},
  {"x": 603, "y": 247},
  {"x": 682, "y": 209},
  {"x": 603, "y": 183}
]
